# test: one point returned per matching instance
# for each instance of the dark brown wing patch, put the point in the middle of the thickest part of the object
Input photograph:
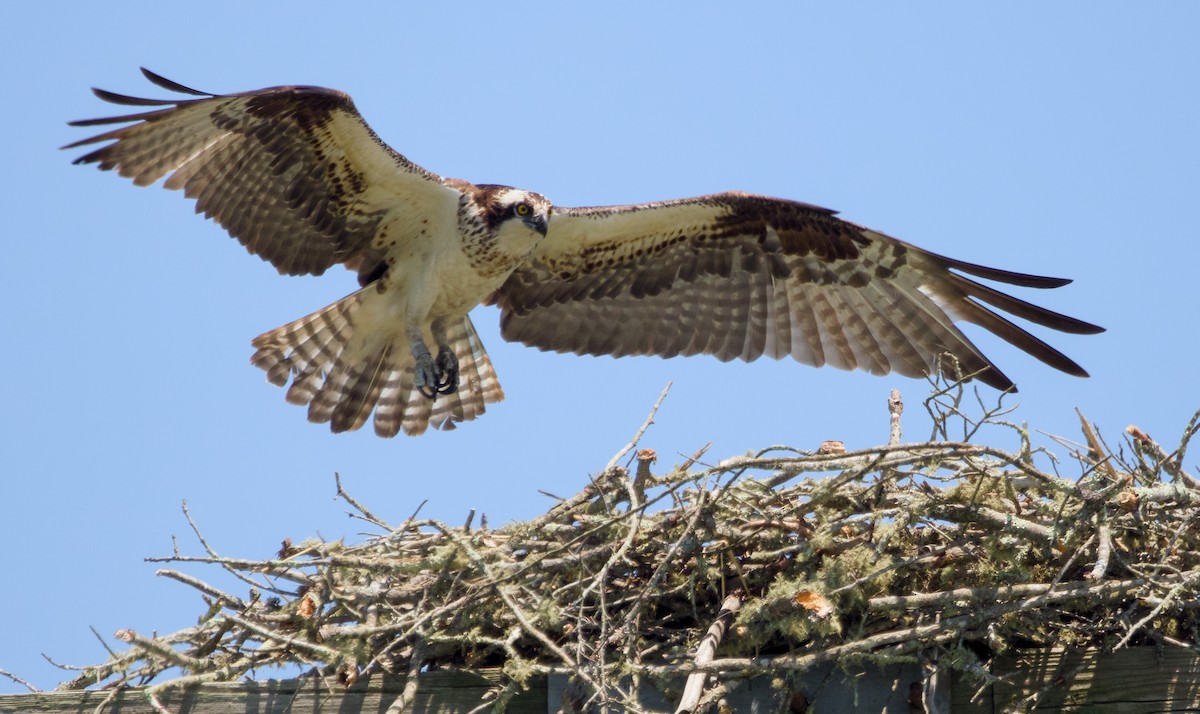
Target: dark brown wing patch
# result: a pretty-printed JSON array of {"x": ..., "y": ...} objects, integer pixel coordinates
[
  {"x": 740, "y": 276},
  {"x": 800, "y": 228},
  {"x": 286, "y": 170}
]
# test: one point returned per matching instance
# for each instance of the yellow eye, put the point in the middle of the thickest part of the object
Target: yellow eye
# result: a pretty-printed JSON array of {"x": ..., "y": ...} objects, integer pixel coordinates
[{"x": 522, "y": 209}]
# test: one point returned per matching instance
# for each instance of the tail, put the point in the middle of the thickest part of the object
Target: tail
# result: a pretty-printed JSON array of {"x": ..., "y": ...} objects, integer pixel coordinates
[{"x": 342, "y": 376}]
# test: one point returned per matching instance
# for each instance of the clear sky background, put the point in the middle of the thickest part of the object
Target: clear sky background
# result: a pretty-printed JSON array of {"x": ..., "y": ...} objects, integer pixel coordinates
[{"x": 1056, "y": 138}]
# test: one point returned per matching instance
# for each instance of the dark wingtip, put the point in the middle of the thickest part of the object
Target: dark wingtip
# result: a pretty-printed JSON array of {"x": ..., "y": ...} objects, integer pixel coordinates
[
  {"x": 1025, "y": 280},
  {"x": 996, "y": 379},
  {"x": 172, "y": 85},
  {"x": 1044, "y": 281},
  {"x": 125, "y": 99}
]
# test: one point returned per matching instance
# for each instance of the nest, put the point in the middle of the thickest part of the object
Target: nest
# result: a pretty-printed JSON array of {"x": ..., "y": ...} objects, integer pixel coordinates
[{"x": 944, "y": 552}]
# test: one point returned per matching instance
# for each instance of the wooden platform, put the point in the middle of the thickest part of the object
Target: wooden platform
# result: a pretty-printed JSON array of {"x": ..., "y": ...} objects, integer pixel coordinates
[{"x": 1142, "y": 680}]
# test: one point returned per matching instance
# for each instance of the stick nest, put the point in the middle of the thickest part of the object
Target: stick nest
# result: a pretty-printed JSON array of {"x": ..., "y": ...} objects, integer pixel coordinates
[{"x": 944, "y": 552}]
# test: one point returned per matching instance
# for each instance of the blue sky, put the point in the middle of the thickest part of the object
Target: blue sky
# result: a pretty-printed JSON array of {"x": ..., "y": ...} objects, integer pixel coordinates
[{"x": 1055, "y": 138}]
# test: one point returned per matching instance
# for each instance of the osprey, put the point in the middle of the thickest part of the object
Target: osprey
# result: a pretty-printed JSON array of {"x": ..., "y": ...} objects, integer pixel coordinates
[{"x": 296, "y": 175}]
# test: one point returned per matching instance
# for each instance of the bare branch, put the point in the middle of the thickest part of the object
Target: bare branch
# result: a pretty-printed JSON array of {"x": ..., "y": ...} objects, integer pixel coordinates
[{"x": 704, "y": 653}]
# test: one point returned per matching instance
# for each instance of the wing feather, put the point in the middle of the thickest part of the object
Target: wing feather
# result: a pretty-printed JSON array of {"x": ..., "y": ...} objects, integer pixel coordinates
[
  {"x": 739, "y": 276},
  {"x": 294, "y": 173}
]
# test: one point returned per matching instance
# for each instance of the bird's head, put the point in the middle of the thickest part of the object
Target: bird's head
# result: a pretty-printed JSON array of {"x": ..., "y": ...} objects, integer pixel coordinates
[{"x": 525, "y": 208}]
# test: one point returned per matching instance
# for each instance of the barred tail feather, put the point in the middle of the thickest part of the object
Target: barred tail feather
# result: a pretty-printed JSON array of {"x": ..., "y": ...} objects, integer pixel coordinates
[
  {"x": 343, "y": 377},
  {"x": 478, "y": 385},
  {"x": 403, "y": 407}
]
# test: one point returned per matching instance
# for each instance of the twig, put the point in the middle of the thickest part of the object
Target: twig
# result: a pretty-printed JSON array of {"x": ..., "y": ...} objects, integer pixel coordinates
[
  {"x": 103, "y": 644},
  {"x": 694, "y": 686},
  {"x": 1103, "y": 552},
  {"x": 1169, "y": 464},
  {"x": 267, "y": 634},
  {"x": 409, "y": 693},
  {"x": 158, "y": 649},
  {"x": 637, "y": 436},
  {"x": 18, "y": 680},
  {"x": 212, "y": 553},
  {"x": 895, "y": 409},
  {"x": 275, "y": 568},
  {"x": 225, "y": 598},
  {"x": 345, "y": 496},
  {"x": 1047, "y": 593}
]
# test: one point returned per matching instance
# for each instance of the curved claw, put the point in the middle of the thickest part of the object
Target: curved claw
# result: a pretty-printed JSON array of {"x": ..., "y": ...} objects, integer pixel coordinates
[
  {"x": 447, "y": 365},
  {"x": 434, "y": 378},
  {"x": 426, "y": 377}
]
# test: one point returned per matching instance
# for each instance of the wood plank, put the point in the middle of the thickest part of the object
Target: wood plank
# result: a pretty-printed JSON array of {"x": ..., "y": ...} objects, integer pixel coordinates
[
  {"x": 437, "y": 693},
  {"x": 1143, "y": 680},
  {"x": 829, "y": 689},
  {"x": 1138, "y": 680},
  {"x": 826, "y": 688}
]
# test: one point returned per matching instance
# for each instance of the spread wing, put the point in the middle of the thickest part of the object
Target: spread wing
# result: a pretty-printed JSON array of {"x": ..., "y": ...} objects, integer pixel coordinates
[
  {"x": 741, "y": 276},
  {"x": 294, "y": 173}
]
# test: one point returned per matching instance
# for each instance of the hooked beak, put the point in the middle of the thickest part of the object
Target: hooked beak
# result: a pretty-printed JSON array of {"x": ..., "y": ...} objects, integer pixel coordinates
[{"x": 540, "y": 224}]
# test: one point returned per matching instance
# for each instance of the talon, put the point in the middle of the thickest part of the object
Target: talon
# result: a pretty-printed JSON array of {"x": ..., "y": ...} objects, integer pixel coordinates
[
  {"x": 426, "y": 377},
  {"x": 447, "y": 367}
]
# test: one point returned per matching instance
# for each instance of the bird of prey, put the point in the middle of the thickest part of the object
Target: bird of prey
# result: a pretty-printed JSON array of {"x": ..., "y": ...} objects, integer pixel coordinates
[{"x": 295, "y": 174}]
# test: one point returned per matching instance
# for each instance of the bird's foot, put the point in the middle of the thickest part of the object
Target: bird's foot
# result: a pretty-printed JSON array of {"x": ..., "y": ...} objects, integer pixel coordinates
[
  {"x": 447, "y": 364},
  {"x": 436, "y": 377}
]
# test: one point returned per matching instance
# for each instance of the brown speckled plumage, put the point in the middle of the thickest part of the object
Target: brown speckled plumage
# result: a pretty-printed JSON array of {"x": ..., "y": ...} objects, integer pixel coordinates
[{"x": 296, "y": 175}]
